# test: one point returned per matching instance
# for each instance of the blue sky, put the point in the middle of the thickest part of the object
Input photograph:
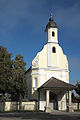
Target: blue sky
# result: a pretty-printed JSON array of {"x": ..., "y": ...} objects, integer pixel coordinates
[{"x": 22, "y": 25}]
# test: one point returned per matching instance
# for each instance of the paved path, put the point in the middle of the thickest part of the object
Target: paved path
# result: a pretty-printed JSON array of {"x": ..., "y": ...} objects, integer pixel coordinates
[{"x": 40, "y": 116}]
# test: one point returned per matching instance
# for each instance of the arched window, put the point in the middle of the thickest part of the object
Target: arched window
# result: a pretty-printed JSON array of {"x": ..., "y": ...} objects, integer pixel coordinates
[
  {"x": 53, "y": 49},
  {"x": 53, "y": 34}
]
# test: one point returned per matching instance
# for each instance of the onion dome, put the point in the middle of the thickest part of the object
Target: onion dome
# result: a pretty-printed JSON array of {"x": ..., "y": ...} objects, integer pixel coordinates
[{"x": 51, "y": 23}]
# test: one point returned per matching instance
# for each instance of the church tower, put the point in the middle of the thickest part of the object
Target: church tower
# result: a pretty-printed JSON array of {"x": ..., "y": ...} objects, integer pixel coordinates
[
  {"x": 52, "y": 43},
  {"x": 52, "y": 30}
]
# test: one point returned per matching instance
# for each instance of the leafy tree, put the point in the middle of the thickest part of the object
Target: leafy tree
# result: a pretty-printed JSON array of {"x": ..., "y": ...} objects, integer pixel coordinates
[
  {"x": 78, "y": 88},
  {"x": 12, "y": 75},
  {"x": 5, "y": 70},
  {"x": 19, "y": 83},
  {"x": 78, "y": 92}
]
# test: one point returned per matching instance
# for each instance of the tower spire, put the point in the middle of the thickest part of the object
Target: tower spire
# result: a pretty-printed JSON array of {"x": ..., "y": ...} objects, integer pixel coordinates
[
  {"x": 51, "y": 18},
  {"x": 51, "y": 13},
  {"x": 51, "y": 23}
]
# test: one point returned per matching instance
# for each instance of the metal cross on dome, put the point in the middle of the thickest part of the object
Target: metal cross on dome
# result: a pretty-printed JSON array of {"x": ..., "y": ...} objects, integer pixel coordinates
[{"x": 51, "y": 13}]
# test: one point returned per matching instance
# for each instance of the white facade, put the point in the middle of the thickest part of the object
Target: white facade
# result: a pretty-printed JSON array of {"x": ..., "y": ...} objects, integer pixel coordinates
[{"x": 50, "y": 62}]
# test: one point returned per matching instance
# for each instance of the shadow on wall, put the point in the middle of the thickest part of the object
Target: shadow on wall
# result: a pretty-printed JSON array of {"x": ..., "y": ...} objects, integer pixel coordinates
[{"x": 2, "y": 106}]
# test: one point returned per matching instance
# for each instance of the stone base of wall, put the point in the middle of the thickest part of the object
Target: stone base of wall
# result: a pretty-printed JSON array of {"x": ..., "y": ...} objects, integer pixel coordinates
[
  {"x": 47, "y": 109},
  {"x": 14, "y": 106}
]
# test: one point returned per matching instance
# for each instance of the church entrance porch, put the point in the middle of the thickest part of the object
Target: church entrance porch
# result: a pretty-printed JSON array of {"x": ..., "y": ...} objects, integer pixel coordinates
[
  {"x": 50, "y": 100},
  {"x": 55, "y": 95}
]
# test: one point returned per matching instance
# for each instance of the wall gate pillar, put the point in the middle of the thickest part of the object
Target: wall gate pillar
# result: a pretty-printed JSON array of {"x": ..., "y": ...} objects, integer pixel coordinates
[{"x": 70, "y": 101}]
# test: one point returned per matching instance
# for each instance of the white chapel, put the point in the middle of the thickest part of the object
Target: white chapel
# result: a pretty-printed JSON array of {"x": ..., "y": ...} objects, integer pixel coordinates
[{"x": 48, "y": 76}]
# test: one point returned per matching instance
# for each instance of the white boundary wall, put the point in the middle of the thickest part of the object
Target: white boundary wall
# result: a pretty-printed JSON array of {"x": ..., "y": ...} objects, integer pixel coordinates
[{"x": 12, "y": 106}]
